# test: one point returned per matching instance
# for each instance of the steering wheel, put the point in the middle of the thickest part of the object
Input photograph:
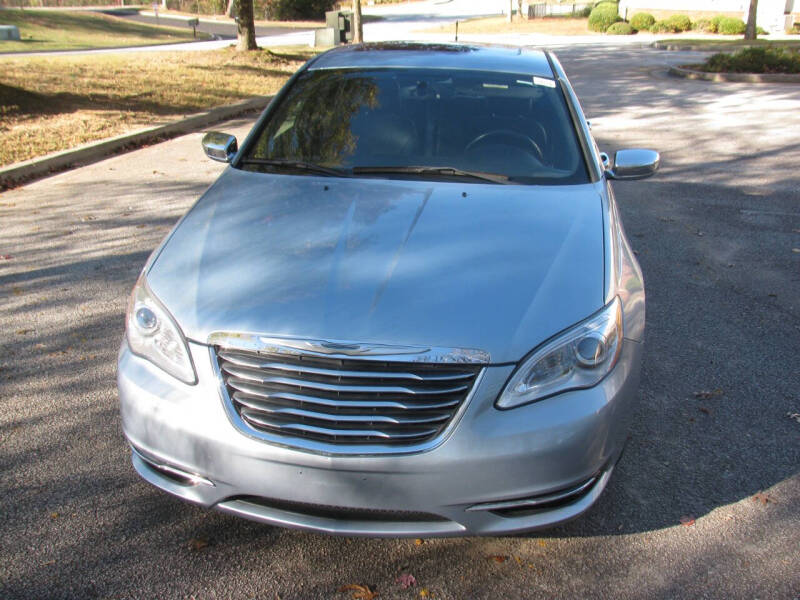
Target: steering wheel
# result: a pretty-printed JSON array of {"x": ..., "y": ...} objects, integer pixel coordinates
[{"x": 518, "y": 139}]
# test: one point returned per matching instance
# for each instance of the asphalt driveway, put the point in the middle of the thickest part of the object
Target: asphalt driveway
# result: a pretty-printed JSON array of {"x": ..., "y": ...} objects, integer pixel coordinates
[{"x": 705, "y": 502}]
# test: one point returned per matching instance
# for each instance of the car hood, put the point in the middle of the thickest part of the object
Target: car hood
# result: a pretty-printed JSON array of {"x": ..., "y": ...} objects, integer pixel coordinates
[{"x": 445, "y": 264}]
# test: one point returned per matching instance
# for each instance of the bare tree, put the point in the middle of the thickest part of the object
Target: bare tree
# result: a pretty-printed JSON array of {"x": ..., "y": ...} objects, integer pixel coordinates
[
  {"x": 229, "y": 9},
  {"x": 520, "y": 15},
  {"x": 750, "y": 31},
  {"x": 245, "y": 27},
  {"x": 358, "y": 27},
  {"x": 510, "y": 10}
]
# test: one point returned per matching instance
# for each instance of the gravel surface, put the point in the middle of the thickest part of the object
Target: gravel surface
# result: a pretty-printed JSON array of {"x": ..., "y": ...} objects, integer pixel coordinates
[{"x": 718, "y": 234}]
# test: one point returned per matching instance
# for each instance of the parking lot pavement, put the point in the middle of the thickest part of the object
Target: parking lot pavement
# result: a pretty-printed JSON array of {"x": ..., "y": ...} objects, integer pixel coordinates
[{"x": 711, "y": 443}]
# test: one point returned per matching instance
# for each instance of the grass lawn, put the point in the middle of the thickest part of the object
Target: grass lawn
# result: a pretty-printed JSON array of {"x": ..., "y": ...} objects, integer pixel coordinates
[
  {"x": 58, "y": 102},
  {"x": 75, "y": 30},
  {"x": 549, "y": 25},
  {"x": 712, "y": 44}
]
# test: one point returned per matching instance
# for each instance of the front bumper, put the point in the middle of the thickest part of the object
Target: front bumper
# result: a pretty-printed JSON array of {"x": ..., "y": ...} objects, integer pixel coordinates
[{"x": 185, "y": 444}]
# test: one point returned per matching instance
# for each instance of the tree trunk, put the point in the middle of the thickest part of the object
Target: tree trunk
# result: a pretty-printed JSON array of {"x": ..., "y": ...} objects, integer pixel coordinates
[
  {"x": 520, "y": 15},
  {"x": 750, "y": 31},
  {"x": 358, "y": 27},
  {"x": 246, "y": 28},
  {"x": 510, "y": 10},
  {"x": 229, "y": 9}
]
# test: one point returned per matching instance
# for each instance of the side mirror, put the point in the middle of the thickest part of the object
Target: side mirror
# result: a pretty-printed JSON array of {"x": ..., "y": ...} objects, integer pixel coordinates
[
  {"x": 220, "y": 146},
  {"x": 636, "y": 163}
]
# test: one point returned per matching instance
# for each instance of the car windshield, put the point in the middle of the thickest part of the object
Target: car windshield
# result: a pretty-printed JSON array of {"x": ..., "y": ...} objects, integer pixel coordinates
[{"x": 422, "y": 123}]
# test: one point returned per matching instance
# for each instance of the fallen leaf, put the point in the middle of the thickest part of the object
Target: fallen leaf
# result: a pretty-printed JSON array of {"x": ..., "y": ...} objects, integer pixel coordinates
[
  {"x": 762, "y": 497},
  {"x": 796, "y": 250},
  {"x": 424, "y": 593},
  {"x": 418, "y": 542},
  {"x": 542, "y": 543},
  {"x": 704, "y": 410},
  {"x": 53, "y": 515},
  {"x": 360, "y": 592},
  {"x": 705, "y": 395},
  {"x": 499, "y": 558},
  {"x": 687, "y": 520},
  {"x": 406, "y": 580},
  {"x": 23, "y": 331},
  {"x": 197, "y": 544},
  {"x": 795, "y": 416},
  {"x": 5, "y": 257}
]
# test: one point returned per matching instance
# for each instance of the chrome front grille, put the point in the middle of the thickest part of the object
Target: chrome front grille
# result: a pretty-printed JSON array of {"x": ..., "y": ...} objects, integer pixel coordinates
[{"x": 342, "y": 401}]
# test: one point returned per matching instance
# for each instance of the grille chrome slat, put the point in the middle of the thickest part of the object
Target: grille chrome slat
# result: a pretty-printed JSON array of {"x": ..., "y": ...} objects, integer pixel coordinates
[
  {"x": 253, "y": 393},
  {"x": 344, "y": 418},
  {"x": 332, "y": 387},
  {"x": 359, "y": 433},
  {"x": 255, "y": 363},
  {"x": 342, "y": 402}
]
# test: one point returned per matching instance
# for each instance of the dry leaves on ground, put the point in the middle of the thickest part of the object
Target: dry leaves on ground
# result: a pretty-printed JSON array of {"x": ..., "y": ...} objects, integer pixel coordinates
[
  {"x": 705, "y": 395},
  {"x": 359, "y": 592},
  {"x": 762, "y": 497},
  {"x": 406, "y": 580},
  {"x": 196, "y": 544},
  {"x": 687, "y": 520}
]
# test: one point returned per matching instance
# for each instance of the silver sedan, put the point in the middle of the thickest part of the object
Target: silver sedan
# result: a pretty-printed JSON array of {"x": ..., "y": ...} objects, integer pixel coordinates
[{"x": 407, "y": 307}]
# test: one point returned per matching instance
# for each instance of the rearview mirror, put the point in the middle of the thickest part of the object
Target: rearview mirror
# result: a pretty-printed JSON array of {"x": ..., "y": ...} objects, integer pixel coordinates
[
  {"x": 220, "y": 146},
  {"x": 635, "y": 163}
]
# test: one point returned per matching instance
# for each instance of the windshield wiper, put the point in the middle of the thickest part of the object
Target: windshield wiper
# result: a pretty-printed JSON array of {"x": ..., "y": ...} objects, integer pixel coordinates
[
  {"x": 297, "y": 165},
  {"x": 493, "y": 177}
]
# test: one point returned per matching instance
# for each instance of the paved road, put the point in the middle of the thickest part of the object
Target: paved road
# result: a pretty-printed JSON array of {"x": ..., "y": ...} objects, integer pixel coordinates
[
  {"x": 715, "y": 233},
  {"x": 221, "y": 30}
]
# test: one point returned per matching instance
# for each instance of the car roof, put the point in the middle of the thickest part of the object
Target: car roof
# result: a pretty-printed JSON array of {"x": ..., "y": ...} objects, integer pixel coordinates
[{"x": 473, "y": 57}]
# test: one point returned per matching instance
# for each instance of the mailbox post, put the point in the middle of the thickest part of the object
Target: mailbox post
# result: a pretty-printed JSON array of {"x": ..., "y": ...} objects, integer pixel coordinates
[{"x": 193, "y": 23}]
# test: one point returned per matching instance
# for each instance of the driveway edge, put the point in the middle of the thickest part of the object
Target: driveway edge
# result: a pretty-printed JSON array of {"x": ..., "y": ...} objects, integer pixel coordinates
[
  {"x": 35, "y": 168},
  {"x": 735, "y": 77}
]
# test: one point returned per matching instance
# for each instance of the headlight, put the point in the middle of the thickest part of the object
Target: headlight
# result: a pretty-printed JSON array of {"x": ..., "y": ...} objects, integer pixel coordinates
[
  {"x": 576, "y": 359},
  {"x": 154, "y": 335}
]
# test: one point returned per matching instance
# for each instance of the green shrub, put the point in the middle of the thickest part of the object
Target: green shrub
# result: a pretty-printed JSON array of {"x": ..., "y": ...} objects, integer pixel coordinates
[
  {"x": 769, "y": 59},
  {"x": 760, "y": 30},
  {"x": 287, "y": 10},
  {"x": 660, "y": 27},
  {"x": 603, "y": 16},
  {"x": 642, "y": 21},
  {"x": 620, "y": 28},
  {"x": 705, "y": 25},
  {"x": 731, "y": 26},
  {"x": 715, "y": 21},
  {"x": 679, "y": 23},
  {"x": 586, "y": 12}
]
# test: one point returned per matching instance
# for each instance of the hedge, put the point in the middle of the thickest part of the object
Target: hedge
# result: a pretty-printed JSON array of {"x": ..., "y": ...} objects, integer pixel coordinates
[
  {"x": 642, "y": 21},
  {"x": 620, "y": 28},
  {"x": 603, "y": 16}
]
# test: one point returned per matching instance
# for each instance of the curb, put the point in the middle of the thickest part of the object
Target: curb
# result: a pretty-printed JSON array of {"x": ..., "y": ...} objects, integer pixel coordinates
[
  {"x": 92, "y": 152},
  {"x": 735, "y": 77},
  {"x": 704, "y": 48}
]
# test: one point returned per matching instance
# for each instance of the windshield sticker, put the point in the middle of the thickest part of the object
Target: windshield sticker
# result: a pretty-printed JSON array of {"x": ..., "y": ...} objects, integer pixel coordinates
[
  {"x": 544, "y": 81},
  {"x": 495, "y": 86},
  {"x": 523, "y": 82}
]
